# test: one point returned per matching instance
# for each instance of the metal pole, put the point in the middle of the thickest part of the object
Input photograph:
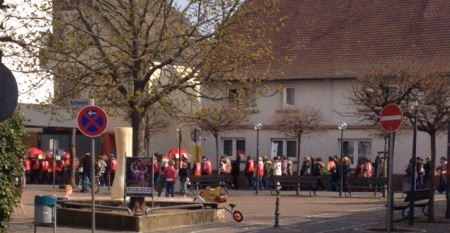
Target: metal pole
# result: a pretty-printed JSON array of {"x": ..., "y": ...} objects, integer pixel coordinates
[
  {"x": 341, "y": 171},
  {"x": 447, "y": 195},
  {"x": 179, "y": 149},
  {"x": 413, "y": 173},
  {"x": 152, "y": 176},
  {"x": 196, "y": 145},
  {"x": 91, "y": 102},
  {"x": 390, "y": 209},
  {"x": 92, "y": 184},
  {"x": 55, "y": 150},
  {"x": 257, "y": 160},
  {"x": 277, "y": 214}
]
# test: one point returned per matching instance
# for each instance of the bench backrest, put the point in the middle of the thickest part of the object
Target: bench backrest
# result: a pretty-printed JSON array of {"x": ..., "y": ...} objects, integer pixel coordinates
[
  {"x": 210, "y": 178},
  {"x": 367, "y": 180},
  {"x": 420, "y": 194},
  {"x": 296, "y": 179}
]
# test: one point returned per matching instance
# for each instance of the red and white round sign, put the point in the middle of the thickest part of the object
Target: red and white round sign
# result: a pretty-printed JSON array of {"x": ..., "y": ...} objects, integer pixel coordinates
[{"x": 391, "y": 117}]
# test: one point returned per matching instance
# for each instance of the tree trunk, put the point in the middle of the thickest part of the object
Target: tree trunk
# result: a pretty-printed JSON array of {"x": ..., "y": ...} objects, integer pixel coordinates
[
  {"x": 216, "y": 137},
  {"x": 432, "y": 174},
  {"x": 137, "y": 204},
  {"x": 72, "y": 172},
  {"x": 137, "y": 121},
  {"x": 299, "y": 142}
]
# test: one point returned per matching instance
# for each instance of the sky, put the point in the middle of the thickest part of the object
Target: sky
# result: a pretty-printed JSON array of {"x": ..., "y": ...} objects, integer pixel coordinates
[{"x": 23, "y": 80}]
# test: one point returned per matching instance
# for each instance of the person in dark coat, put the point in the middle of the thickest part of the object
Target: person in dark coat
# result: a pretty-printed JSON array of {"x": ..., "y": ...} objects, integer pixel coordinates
[
  {"x": 86, "y": 163},
  {"x": 235, "y": 170}
]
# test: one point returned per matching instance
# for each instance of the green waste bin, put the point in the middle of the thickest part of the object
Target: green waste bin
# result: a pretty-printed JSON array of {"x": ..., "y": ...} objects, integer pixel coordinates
[{"x": 44, "y": 209}]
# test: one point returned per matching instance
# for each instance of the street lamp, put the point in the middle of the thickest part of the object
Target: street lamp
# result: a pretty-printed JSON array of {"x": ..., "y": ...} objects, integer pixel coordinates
[
  {"x": 413, "y": 166},
  {"x": 257, "y": 128},
  {"x": 179, "y": 146},
  {"x": 342, "y": 126}
]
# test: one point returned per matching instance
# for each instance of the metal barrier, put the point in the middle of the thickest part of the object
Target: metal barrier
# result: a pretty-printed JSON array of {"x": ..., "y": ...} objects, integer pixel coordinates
[
  {"x": 175, "y": 207},
  {"x": 64, "y": 204}
]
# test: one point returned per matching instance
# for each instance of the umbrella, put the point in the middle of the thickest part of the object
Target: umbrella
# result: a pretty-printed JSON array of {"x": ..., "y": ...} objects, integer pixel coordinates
[
  {"x": 66, "y": 156},
  {"x": 240, "y": 153},
  {"x": 35, "y": 151},
  {"x": 174, "y": 153}
]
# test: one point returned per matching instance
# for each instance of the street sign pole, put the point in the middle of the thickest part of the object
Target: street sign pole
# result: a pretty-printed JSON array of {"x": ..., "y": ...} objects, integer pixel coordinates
[
  {"x": 92, "y": 121},
  {"x": 54, "y": 147},
  {"x": 391, "y": 117},
  {"x": 55, "y": 153},
  {"x": 447, "y": 195},
  {"x": 390, "y": 209},
  {"x": 93, "y": 182},
  {"x": 91, "y": 102}
]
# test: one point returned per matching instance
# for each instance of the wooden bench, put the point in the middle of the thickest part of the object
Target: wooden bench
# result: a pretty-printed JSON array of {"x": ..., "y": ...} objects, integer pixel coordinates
[
  {"x": 309, "y": 182},
  {"x": 422, "y": 196},
  {"x": 375, "y": 183},
  {"x": 200, "y": 182}
]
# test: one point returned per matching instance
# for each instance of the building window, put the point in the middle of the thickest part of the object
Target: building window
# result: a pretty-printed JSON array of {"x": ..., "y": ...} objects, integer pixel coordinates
[
  {"x": 233, "y": 147},
  {"x": 286, "y": 147},
  {"x": 242, "y": 96},
  {"x": 288, "y": 96},
  {"x": 357, "y": 150}
]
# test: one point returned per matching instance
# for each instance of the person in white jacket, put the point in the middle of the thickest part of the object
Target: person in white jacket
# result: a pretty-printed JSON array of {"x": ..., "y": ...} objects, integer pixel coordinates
[{"x": 276, "y": 169}]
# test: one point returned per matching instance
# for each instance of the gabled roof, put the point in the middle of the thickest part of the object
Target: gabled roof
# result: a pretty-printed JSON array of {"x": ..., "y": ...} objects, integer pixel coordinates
[{"x": 340, "y": 38}]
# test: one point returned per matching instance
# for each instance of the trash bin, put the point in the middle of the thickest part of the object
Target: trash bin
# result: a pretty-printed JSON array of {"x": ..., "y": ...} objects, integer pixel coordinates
[{"x": 44, "y": 209}]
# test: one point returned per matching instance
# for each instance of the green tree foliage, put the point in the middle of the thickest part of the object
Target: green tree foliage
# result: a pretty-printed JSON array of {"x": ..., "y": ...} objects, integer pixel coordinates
[
  {"x": 131, "y": 55},
  {"x": 12, "y": 150}
]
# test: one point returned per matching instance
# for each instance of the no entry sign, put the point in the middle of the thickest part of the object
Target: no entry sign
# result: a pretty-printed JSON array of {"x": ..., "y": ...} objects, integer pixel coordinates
[
  {"x": 391, "y": 117},
  {"x": 92, "y": 121}
]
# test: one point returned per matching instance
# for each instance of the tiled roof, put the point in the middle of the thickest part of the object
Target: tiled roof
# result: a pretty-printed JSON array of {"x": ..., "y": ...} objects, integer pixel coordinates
[{"x": 340, "y": 38}]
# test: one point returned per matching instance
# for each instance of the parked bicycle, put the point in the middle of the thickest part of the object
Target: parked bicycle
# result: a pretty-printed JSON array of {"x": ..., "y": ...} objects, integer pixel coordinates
[{"x": 96, "y": 183}]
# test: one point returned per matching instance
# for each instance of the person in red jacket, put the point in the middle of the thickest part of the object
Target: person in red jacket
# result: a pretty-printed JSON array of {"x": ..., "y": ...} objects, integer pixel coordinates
[
  {"x": 170, "y": 175},
  {"x": 249, "y": 172},
  {"x": 27, "y": 168},
  {"x": 206, "y": 166},
  {"x": 259, "y": 168}
]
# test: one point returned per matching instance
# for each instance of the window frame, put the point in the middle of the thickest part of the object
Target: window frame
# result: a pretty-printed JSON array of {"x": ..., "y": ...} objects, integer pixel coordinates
[
  {"x": 284, "y": 147},
  {"x": 285, "y": 97},
  {"x": 356, "y": 144},
  {"x": 234, "y": 145},
  {"x": 248, "y": 98}
]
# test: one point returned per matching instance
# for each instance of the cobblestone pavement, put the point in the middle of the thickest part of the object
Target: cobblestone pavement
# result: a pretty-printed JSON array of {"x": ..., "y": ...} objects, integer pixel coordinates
[{"x": 326, "y": 212}]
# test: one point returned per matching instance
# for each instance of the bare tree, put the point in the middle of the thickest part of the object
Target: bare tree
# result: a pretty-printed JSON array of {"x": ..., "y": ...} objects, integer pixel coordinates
[
  {"x": 298, "y": 122},
  {"x": 403, "y": 84},
  {"x": 114, "y": 51},
  {"x": 433, "y": 115},
  {"x": 218, "y": 118}
]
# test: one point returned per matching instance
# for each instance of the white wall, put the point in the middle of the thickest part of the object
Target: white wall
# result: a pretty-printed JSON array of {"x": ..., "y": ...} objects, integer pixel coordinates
[{"x": 330, "y": 97}]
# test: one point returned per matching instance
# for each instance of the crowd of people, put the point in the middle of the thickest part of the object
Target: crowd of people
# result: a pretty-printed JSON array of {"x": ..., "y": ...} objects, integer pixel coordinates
[
  {"x": 104, "y": 169},
  {"x": 262, "y": 171},
  {"x": 423, "y": 173},
  {"x": 40, "y": 169}
]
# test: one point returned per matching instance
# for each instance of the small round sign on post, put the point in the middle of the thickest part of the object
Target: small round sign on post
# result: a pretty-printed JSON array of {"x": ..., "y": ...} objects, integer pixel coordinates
[
  {"x": 391, "y": 117},
  {"x": 92, "y": 121}
]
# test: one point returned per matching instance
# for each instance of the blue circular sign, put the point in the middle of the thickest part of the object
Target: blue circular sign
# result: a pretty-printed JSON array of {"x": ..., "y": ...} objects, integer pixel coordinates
[{"x": 92, "y": 121}]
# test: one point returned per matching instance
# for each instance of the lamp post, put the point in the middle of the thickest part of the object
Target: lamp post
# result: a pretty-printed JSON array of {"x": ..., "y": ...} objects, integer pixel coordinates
[
  {"x": 413, "y": 167},
  {"x": 257, "y": 128},
  {"x": 179, "y": 146},
  {"x": 342, "y": 126}
]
